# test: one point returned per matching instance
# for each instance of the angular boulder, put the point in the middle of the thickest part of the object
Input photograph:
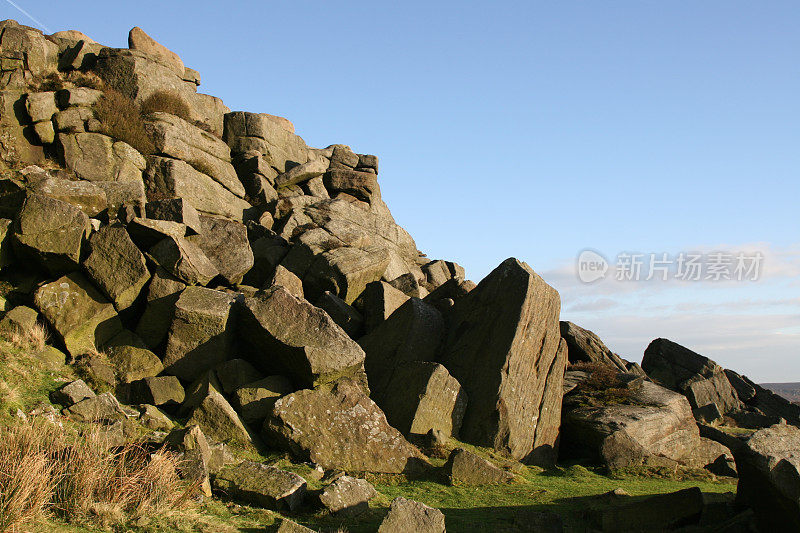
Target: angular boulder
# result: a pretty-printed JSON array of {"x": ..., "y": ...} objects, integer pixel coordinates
[
  {"x": 72, "y": 393},
  {"x": 192, "y": 446},
  {"x": 347, "y": 496},
  {"x": 345, "y": 272},
  {"x": 175, "y": 210},
  {"x": 235, "y": 373},
  {"x": 51, "y": 232},
  {"x": 254, "y": 401},
  {"x": 97, "y": 157},
  {"x": 224, "y": 242},
  {"x": 697, "y": 377},
  {"x": 84, "y": 195},
  {"x": 116, "y": 265},
  {"x": 158, "y": 390},
  {"x": 340, "y": 428},
  {"x": 184, "y": 260},
  {"x": 262, "y": 485},
  {"x": 201, "y": 334},
  {"x": 162, "y": 294},
  {"x": 301, "y": 340},
  {"x": 139, "y": 40},
  {"x": 344, "y": 315},
  {"x": 131, "y": 358},
  {"x": 219, "y": 420},
  {"x": 81, "y": 316},
  {"x": 414, "y": 332},
  {"x": 377, "y": 303},
  {"x": 503, "y": 344},
  {"x": 466, "y": 468},
  {"x": 586, "y": 347},
  {"x": 408, "y": 515}
]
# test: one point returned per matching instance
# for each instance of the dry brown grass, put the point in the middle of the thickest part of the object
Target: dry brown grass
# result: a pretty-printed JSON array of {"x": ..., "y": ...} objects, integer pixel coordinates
[
  {"x": 121, "y": 119},
  {"x": 47, "y": 470},
  {"x": 30, "y": 339},
  {"x": 604, "y": 383},
  {"x": 167, "y": 102}
]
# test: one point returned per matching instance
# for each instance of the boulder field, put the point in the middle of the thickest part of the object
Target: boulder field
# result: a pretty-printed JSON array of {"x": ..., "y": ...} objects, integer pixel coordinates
[{"x": 249, "y": 292}]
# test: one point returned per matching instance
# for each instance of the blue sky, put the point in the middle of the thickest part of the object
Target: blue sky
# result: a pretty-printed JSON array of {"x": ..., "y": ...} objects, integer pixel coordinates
[{"x": 539, "y": 129}]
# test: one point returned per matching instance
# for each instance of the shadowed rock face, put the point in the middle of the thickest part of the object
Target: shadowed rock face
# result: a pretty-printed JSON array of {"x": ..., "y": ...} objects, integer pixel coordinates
[
  {"x": 503, "y": 344},
  {"x": 769, "y": 477},
  {"x": 584, "y": 346}
]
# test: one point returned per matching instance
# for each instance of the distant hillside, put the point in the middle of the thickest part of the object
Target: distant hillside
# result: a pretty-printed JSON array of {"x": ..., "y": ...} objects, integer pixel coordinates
[{"x": 790, "y": 391}]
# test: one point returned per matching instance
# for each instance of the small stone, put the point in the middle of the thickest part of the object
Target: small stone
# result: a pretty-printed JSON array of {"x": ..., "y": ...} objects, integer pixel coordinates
[
  {"x": 72, "y": 393},
  {"x": 348, "y": 496}
]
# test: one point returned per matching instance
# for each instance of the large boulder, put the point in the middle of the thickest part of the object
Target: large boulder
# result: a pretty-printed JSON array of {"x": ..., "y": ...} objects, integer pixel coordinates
[
  {"x": 216, "y": 417},
  {"x": 116, "y": 265},
  {"x": 340, "y": 428},
  {"x": 697, "y": 377},
  {"x": 225, "y": 244},
  {"x": 769, "y": 477},
  {"x": 51, "y": 232},
  {"x": 636, "y": 428},
  {"x": 586, "y": 347},
  {"x": 408, "y": 515},
  {"x": 292, "y": 337},
  {"x": 201, "y": 335},
  {"x": 262, "y": 485},
  {"x": 84, "y": 195},
  {"x": 762, "y": 404},
  {"x": 414, "y": 332},
  {"x": 131, "y": 358},
  {"x": 82, "y": 317},
  {"x": 503, "y": 348},
  {"x": 255, "y": 400},
  {"x": 176, "y": 178},
  {"x": 377, "y": 303}
]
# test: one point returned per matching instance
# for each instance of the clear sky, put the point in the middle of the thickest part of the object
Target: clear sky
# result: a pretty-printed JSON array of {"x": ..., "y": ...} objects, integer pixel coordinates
[{"x": 536, "y": 130}]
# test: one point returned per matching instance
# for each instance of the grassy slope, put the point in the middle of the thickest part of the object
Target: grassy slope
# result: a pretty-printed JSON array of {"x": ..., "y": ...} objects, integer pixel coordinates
[{"x": 26, "y": 380}]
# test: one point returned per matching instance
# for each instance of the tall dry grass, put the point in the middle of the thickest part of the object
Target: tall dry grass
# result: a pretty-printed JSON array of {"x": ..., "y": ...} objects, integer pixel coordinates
[
  {"x": 32, "y": 338},
  {"x": 46, "y": 469}
]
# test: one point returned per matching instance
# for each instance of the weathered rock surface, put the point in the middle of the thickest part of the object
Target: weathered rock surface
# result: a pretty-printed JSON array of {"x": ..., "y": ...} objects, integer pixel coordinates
[
  {"x": 97, "y": 157},
  {"x": 235, "y": 373},
  {"x": 344, "y": 315},
  {"x": 255, "y": 400},
  {"x": 158, "y": 390},
  {"x": 184, "y": 260},
  {"x": 191, "y": 444},
  {"x": 466, "y": 468},
  {"x": 82, "y": 317},
  {"x": 162, "y": 294},
  {"x": 423, "y": 396},
  {"x": 408, "y": 515},
  {"x": 340, "y": 428},
  {"x": 302, "y": 340},
  {"x": 664, "y": 512},
  {"x": 201, "y": 334},
  {"x": 131, "y": 358},
  {"x": 653, "y": 423},
  {"x": 175, "y": 210},
  {"x": 700, "y": 379},
  {"x": 377, "y": 303},
  {"x": 348, "y": 496},
  {"x": 345, "y": 272},
  {"x": 84, "y": 195},
  {"x": 268, "y": 135},
  {"x": 262, "y": 485},
  {"x": 224, "y": 242},
  {"x": 116, "y": 265},
  {"x": 503, "y": 344},
  {"x": 51, "y": 232},
  {"x": 72, "y": 393},
  {"x": 219, "y": 420},
  {"x": 769, "y": 477},
  {"x": 177, "y": 178},
  {"x": 102, "y": 408}
]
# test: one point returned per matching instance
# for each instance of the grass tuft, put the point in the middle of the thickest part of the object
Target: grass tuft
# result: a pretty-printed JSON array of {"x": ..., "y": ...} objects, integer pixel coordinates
[
  {"x": 121, "y": 119},
  {"x": 167, "y": 102},
  {"x": 33, "y": 338}
]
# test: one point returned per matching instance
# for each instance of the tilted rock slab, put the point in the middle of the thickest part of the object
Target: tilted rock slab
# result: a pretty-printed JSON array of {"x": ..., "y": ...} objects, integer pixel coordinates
[
  {"x": 116, "y": 265},
  {"x": 297, "y": 338},
  {"x": 348, "y": 496},
  {"x": 503, "y": 344},
  {"x": 139, "y": 40},
  {"x": 225, "y": 244},
  {"x": 340, "y": 428},
  {"x": 184, "y": 260},
  {"x": 586, "y": 347},
  {"x": 697, "y": 377},
  {"x": 262, "y": 485},
  {"x": 466, "y": 468}
]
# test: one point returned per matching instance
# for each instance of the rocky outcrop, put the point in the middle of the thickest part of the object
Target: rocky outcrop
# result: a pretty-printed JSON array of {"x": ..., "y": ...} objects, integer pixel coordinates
[
  {"x": 502, "y": 346},
  {"x": 698, "y": 378},
  {"x": 340, "y": 428}
]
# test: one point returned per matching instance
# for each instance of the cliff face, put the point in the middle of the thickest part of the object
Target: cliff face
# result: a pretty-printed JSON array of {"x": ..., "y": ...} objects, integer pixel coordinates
[{"x": 162, "y": 232}]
